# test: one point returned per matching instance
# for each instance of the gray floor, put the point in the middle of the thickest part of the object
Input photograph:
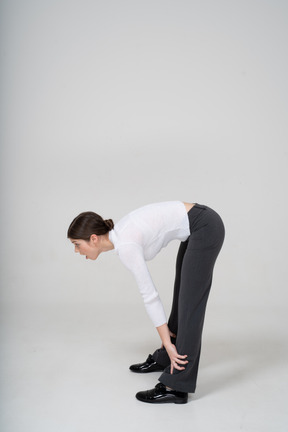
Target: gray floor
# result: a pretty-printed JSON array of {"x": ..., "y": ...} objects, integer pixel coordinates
[{"x": 65, "y": 368}]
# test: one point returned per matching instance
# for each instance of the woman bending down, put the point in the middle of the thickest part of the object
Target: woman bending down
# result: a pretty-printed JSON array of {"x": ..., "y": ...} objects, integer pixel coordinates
[{"x": 137, "y": 238}]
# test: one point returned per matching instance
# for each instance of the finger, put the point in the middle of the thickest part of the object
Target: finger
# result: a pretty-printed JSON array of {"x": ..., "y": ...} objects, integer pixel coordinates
[
  {"x": 182, "y": 361},
  {"x": 181, "y": 356},
  {"x": 176, "y": 366}
]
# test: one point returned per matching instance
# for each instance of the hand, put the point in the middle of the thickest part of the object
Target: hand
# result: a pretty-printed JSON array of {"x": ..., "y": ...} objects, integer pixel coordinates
[{"x": 175, "y": 358}]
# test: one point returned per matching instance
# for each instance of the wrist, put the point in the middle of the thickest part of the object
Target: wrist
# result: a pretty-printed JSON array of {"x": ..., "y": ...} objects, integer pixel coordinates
[
  {"x": 164, "y": 336},
  {"x": 167, "y": 345}
]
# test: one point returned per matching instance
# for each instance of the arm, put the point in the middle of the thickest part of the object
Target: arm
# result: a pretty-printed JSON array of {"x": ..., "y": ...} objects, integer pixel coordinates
[
  {"x": 132, "y": 257},
  {"x": 175, "y": 358}
]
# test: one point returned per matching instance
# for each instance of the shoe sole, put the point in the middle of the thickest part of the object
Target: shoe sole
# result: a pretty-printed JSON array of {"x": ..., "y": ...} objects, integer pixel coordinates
[
  {"x": 177, "y": 401},
  {"x": 146, "y": 371}
]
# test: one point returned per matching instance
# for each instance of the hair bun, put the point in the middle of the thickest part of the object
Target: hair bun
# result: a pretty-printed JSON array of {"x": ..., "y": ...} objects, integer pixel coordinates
[{"x": 109, "y": 224}]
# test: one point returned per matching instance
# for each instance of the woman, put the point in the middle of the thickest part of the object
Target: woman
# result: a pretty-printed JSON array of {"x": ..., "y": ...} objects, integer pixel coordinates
[{"x": 137, "y": 238}]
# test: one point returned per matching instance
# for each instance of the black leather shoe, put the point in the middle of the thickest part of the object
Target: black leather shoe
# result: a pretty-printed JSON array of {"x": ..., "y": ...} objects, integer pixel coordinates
[
  {"x": 148, "y": 366},
  {"x": 161, "y": 395}
]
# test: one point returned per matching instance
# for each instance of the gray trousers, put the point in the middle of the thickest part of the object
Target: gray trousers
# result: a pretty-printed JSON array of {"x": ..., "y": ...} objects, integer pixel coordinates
[{"x": 194, "y": 270}]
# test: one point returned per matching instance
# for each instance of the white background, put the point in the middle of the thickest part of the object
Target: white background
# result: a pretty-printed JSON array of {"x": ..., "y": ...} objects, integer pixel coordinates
[{"x": 108, "y": 106}]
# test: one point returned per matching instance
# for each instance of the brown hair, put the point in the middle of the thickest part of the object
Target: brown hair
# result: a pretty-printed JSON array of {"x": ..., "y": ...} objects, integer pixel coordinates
[{"x": 88, "y": 223}]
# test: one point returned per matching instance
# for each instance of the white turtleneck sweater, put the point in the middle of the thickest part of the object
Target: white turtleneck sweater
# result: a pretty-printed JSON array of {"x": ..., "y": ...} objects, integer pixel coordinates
[{"x": 139, "y": 236}]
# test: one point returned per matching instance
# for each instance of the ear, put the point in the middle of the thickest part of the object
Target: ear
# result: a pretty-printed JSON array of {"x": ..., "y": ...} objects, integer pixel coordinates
[{"x": 94, "y": 238}]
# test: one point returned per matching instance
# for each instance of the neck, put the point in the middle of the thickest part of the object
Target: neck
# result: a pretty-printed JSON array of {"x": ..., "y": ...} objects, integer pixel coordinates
[{"x": 107, "y": 244}]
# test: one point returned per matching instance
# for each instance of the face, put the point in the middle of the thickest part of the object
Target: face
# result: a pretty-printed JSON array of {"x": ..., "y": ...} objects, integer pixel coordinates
[{"x": 88, "y": 248}]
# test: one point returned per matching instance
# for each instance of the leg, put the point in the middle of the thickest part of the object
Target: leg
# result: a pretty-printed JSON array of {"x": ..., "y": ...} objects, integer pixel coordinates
[
  {"x": 173, "y": 319},
  {"x": 160, "y": 355},
  {"x": 202, "y": 250}
]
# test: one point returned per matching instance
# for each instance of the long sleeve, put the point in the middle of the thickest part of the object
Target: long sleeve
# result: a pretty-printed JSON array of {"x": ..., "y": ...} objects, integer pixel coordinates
[{"x": 132, "y": 257}]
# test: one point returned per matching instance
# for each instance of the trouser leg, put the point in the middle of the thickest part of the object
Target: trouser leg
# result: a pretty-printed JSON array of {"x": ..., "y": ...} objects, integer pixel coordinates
[
  {"x": 173, "y": 319},
  {"x": 160, "y": 355},
  {"x": 196, "y": 278}
]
